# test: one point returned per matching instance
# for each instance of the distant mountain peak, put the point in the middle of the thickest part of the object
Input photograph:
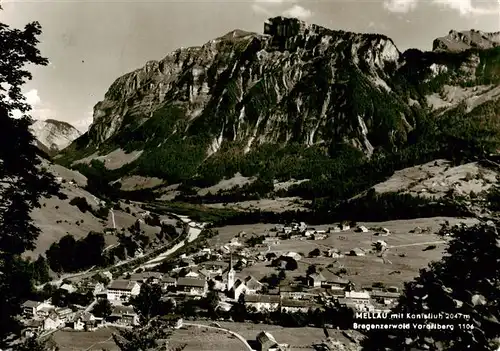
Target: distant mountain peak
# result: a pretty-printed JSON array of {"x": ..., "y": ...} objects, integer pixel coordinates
[
  {"x": 54, "y": 135},
  {"x": 457, "y": 41}
]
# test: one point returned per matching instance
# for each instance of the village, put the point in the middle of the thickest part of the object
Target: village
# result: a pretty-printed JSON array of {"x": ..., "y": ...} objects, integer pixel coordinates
[{"x": 234, "y": 271}]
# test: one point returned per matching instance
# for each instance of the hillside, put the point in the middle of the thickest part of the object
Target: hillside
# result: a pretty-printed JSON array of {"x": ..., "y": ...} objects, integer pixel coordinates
[
  {"x": 57, "y": 216},
  {"x": 53, "y": 136},
  {"x": 342, "y": 110}
]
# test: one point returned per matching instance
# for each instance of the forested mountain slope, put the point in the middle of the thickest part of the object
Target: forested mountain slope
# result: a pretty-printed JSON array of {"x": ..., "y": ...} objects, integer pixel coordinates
[{"x": 300, "y": 101}]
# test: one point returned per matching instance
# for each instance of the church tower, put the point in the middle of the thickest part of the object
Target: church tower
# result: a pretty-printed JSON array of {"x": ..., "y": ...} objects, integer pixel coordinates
[{"x": 230, "y": 274}]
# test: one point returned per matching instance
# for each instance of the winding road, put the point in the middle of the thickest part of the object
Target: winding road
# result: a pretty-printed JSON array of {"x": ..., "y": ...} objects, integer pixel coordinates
[{"x": 238, "y": 336}]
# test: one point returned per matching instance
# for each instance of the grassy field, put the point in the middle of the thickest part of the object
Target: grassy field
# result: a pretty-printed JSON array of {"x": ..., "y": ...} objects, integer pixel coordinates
[
  {"x": 85, "y": 341},
  {"x": 297, "y": 338},
  {"x": 400, "y": 263},
  {"x": 199, "y": 339}
]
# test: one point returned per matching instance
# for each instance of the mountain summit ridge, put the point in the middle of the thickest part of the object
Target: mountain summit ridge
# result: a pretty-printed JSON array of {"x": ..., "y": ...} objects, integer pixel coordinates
[
  {"x": 297, "y": 86},
  {"x": 465, "y": 40}
]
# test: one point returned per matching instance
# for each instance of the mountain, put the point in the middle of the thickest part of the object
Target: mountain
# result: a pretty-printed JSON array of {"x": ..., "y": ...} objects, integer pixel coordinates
[
  {"x": 461, "y": 41},
  {"x": 301, "y": 101},
  {"x": 53, "y": 136}
]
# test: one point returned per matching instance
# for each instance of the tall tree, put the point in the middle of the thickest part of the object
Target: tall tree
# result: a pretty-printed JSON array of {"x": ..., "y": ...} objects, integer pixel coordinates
[
  {"x": 467, "y": 281},
  {"x": 148, "y": 303},
  {"x": 22, "y": 178},
  {"x": 152, "y": 336}
]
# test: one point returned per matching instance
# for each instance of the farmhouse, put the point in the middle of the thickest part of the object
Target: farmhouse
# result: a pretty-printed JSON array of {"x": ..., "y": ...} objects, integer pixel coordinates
[
  {"x": 319, "y": 236},
  {"x": 120, "y": 290},
  {"x": 65, "y": 314},
  {"x": 32, "y": 327},
  {"x": 155, "y": 277},
  {"x": 293, "y": 305},
  {"x": 124, "y": 315},
  {"x": 315, "y": 279},
  {"x": 294, "y": 255},
  {"x": 262, "y": 302},
  {"x": 192, "y": 286},
  {"x": 361, "y": 298},
  {"x": 253, "y": 285},
  {"x": 52, "y": 322},
  {"x": 68, "y": 288},
  {"x": 84, "y": 321},
  {"x": 31, "y": 308},
  {"x": 267, "y": 342},
  {"x": 362, "y": 229},
  {"x": 93, "y": 287},
  {"x": 357, "y": 252},
  {"x": 384, "y": 297},
  {"x": 167, "y": 282},
  {"x": 335, "y": 283},
  {"x": 335, "y": 229}
]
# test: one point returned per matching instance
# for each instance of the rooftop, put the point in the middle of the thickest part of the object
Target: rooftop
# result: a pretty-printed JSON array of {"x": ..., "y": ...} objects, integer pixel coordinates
[
  {"x": 262, "y": 299},
  {"x": 298, "y": 303},
  {"x": 122, "y": 285},
  {"x": 191, "y": 282},
  {"x": 145, "y": 276},
  {"x": 31, "y": 304},
  {"x": 253, "y": 283}
]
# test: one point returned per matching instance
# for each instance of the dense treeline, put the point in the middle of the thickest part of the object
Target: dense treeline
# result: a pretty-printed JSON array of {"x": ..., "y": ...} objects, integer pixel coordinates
[
  {"x": 373, "y": 207},
  {"x": 464, "y": 281},
  {"x": 71, "y": 255}
]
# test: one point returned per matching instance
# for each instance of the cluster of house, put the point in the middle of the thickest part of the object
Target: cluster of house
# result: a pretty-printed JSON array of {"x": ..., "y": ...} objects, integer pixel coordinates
[
  {"x": 39, "y": 317},
  {"x": 301, "y": 230},
  {"x": 194, "y": 275}
]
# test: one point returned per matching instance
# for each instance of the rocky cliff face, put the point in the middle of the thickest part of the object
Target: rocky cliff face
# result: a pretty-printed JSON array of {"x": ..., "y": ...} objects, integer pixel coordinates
[
  {"x": 461, "y": 41},
  {"x": 53, "y": 135},
  {"x": 295, "y": 84}
]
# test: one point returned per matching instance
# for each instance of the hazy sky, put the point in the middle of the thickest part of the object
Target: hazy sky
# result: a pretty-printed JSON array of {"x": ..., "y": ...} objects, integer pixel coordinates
[{"x": 91, "y": 43}]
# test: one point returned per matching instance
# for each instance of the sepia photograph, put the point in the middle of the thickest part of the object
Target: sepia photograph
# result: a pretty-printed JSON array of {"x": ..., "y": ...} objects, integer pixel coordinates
[{"x": 249, "y": 175}]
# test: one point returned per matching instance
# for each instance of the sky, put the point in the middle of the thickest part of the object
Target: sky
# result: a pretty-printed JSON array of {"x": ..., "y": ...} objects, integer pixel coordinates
[{"x": 91, "y": 43}]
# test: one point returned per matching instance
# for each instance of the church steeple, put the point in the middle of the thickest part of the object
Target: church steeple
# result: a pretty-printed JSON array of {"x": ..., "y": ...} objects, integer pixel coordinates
[{"x": 230, "y": 273}]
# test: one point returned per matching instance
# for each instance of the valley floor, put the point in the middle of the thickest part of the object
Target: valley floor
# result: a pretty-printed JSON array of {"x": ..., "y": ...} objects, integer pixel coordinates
[{"x": 400, "y": 263}]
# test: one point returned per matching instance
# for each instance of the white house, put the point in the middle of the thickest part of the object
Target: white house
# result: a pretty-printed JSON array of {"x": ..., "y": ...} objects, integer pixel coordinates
[
  {"x": 294, "y": 305},
  {"x": 36, "y": 308},
  {"x": 267, "y": 342},
  {"x": 65, "y": 314},
  {"x": 317, "y": 236},
  {"x": 238, "y": 288},
  {"x": 124, "y": 315},
  {"x": 315, "y": 279},
  {"x": 52, "y": 322},
  {"x": 309, "y": 232},
  {"x": 362, "y": 229},
  {"x": 357, "y": 252},
  {"x": 122, "y": 290},
  {"x": 70, "y": 288},
  {"x": 357, "y": 297},
  {"x": 262, "y": 302},
  {"x": 192, "y": 286}
]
